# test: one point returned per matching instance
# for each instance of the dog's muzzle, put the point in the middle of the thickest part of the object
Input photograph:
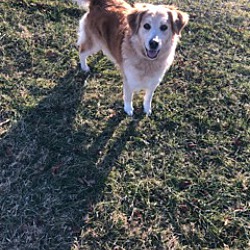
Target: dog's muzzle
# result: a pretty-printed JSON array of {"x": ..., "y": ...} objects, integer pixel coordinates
[{"x": 153, "y": 50}]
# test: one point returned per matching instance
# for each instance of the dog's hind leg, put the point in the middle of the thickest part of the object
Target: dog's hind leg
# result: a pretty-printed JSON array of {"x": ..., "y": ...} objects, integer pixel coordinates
[
  {"x": 86, "y": 44},
  {"x": 84, "y": 52}
]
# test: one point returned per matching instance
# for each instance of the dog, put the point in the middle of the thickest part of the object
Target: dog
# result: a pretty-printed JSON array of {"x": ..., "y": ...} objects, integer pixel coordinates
[{"x": 140, "y": 39}]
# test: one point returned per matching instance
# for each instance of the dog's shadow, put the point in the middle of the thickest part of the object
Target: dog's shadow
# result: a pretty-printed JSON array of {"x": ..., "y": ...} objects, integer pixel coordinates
[{"x": 51, "y": 174}]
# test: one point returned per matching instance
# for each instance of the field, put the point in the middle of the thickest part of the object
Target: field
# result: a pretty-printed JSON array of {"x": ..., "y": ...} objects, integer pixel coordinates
[{"x": 77, "y": 173}]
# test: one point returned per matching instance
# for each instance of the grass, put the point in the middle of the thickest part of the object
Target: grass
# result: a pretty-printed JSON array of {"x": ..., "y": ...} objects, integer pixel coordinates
[{"x": 76, "y": 173}]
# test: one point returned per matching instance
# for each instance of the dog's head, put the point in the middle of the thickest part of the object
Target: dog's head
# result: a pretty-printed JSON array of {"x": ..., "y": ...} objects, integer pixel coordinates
[{"x": 154, "y": 28}]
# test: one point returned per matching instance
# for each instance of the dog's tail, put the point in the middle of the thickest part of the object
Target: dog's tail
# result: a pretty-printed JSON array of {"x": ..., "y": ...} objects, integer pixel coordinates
[
  {"x": 83, "y": 3},
  {"x": 86, "y": 4}
]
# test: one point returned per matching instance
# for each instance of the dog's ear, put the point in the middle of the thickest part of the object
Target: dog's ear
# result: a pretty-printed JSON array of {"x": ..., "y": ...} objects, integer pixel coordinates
[
  {"x": 178, "y": 20},
  {"x": 134, "y": 20}
]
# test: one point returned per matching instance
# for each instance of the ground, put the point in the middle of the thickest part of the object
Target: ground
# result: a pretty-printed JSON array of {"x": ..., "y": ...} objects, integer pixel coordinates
[{"x": 77, "y": 173}]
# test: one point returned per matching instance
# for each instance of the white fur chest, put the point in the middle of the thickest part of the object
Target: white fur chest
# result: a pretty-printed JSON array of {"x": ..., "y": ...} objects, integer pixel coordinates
[{"x": 142, "y": 74}]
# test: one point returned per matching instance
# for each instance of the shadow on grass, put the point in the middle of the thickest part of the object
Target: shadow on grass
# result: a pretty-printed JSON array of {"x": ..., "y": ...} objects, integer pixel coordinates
[{"x": 50, "y": 177}]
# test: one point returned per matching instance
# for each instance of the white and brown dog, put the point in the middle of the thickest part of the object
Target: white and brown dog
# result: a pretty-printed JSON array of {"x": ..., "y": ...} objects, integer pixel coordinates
[{"x": 141, "y": 39}]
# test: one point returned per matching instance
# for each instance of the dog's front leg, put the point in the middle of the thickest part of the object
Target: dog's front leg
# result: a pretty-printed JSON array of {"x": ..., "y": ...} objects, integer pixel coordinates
[
  {"x": 148, "y": 100},
  {"x": 128, "y": 99}
]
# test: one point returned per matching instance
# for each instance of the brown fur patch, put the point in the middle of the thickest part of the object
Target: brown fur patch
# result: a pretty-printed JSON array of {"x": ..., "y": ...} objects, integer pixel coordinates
[
  {"x": 179, "y": 20},
  {"x": 134, "y": 20},
  {"x": 111, "y": 26}
]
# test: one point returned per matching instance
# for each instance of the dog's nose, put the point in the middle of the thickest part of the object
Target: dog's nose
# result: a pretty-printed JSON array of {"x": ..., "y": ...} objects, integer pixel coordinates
[{"x": 153, "y": 44}]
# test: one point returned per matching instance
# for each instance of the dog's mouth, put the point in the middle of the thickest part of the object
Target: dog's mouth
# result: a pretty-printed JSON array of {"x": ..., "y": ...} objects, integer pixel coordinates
[{"x": 152, "y": 53}]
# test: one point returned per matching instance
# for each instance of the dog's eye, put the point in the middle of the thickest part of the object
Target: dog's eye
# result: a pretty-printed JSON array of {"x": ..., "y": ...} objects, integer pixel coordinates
[
  {"x": 164, "y": 27},
  {"x": 147, "y": 26}
]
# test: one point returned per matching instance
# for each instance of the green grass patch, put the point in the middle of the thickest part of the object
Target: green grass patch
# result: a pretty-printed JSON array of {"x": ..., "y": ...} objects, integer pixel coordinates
[{"x": 76, "y": 173}]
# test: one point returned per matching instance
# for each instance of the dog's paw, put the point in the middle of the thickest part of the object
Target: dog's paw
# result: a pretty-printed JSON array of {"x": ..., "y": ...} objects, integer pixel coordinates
[
  {"x": 85, "y": 68},
  {"x": 129, "y": 111},
  {"x": 148, "y": 111}
]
